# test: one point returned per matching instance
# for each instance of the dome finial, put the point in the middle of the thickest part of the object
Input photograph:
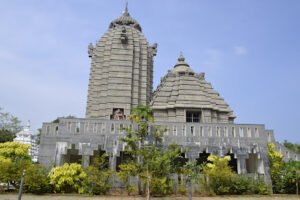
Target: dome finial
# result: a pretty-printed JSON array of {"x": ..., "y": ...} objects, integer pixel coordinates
[
  {"x": 126, "y": 9},
  {"x": 181, "y": 57}
]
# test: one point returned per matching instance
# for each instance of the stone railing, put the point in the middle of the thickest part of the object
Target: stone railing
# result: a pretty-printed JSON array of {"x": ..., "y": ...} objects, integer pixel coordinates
[{"x": 191, "y": 131}]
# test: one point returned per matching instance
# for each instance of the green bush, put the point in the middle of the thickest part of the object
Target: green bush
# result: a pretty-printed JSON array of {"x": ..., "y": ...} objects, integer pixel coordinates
[
  {"x": 291, "y": 177},
  {"x": 217, "y": 175},
  {"x": 260, "y": 187},
  {"x": 161, "y": 186},
  {"x": 182, "y": 189},
  {"x": 240, "y": 185},
  {"x": 98, "y": 176},
  {"x": 37, "y": 180},
  {"x": 97, "y": 181},
  {"x": 68, "y": 178}
]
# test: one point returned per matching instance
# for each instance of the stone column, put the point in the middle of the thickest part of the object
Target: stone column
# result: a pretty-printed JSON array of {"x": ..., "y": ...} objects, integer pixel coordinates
[
  {"x": 85, "y": 150},
  {"x": 58, "y": 159},
  {"x": 85, "y": 161},
  {"x": 61, "y": 149},
  {"x": 241, "y": 165},
  {"x": 113, "y": 162}
]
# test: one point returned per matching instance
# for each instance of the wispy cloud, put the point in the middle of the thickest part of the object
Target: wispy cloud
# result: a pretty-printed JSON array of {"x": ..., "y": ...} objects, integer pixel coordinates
[
  {"x": 213, "y": 57},
  {"x": 240, "y": 50}
]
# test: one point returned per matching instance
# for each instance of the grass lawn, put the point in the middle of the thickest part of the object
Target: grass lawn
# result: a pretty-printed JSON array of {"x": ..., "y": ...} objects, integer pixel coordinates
[{"x": 83, "y": 197}]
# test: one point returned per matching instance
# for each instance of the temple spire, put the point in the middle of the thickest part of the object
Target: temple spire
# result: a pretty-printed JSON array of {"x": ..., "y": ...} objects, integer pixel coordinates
[
  {"x": 126, "y": 9},
  {"x": 181, "y": 57}
]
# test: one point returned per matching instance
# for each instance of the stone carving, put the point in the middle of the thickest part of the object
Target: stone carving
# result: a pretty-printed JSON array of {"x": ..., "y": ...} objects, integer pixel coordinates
[
  {"x": 118, "y": 114},
  {"x": 90, "y": 50},
  {"x": 153, "y": 49},
  {"x": 124, "y": 37}
]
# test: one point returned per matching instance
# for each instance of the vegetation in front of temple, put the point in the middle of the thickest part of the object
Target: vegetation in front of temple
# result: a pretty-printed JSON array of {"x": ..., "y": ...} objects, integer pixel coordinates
[
  {"x": 157, "y": 169},
  {"x": 285, "y": 175}
]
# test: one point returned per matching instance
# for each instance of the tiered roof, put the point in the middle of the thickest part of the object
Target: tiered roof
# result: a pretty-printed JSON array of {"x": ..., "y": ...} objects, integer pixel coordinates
[{"x": 183, "y": 88}]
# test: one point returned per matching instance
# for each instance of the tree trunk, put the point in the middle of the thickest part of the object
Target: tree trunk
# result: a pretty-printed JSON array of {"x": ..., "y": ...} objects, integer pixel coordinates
[
  {"x": 148, "y": 186},
  {"x": 297, "y": 187}
]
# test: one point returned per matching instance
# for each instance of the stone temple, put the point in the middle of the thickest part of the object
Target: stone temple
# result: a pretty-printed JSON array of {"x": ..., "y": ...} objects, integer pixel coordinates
[{"x": 195, "y": 116}]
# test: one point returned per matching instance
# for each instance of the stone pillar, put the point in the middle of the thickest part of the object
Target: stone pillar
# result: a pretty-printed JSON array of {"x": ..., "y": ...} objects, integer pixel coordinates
[
  {"x": 241, "y": 165},
  {"x": 61, "y": 149},
  {"x": 58, "y": 159},
  {"x": 85, "y": 150},
  {"x": 113, "y": 162},
  {"x": 85, "y": 161}
]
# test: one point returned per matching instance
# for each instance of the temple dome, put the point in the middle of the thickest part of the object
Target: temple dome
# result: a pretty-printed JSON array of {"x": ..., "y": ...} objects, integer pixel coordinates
[
  {"x": 181, "y": 66},
  {"x": 183, "y": 89},
  {"x": 125, "y": 20}
]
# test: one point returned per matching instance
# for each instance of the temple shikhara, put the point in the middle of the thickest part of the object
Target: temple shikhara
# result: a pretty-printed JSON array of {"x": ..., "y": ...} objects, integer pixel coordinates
[{"x": 195, "y": 116}]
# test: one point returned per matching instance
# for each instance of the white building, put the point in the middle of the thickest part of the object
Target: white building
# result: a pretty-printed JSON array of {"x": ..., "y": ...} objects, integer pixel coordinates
[{"x": 26, "y": 136}]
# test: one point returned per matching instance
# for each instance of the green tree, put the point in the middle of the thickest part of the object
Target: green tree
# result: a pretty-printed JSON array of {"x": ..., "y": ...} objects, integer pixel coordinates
[
  {"x": 98, "y": 176},
  {"x": 14, "y": 158},
  {"x": 9, "y": 126},
  {"x": 37, "y": 180},
  {"x": 156, "y": 168},
  {"x": 68, "y": 178},
  {"x": 9, "y": 122},
  {"x": 128, "y": 170},
  {"x": 217, "y": 174},
  {"x": 6, "y": 136},
  {"x": 276, "y": 168},
  {"x": 292, "y": 146},
  {"x": 291, "y": 176},
  {"x": 151, "y": 164}
]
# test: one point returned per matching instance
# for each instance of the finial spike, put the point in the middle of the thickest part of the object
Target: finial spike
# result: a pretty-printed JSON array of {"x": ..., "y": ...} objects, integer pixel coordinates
[
  {"x": 181, "y": 57},
  {"x": 126, "y": 9}
]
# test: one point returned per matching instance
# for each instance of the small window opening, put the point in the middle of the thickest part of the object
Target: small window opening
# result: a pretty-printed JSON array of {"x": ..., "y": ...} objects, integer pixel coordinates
[
  {"x": 192, "y": 116},
  {"x": 112, "y": 128},
  {"x": 77, "y": 127},
  {"x": 233, "y": 132}
]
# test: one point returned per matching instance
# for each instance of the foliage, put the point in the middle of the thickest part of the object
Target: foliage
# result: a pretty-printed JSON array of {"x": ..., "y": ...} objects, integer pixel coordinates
[
  {"x": 141, "y": 113},
  {"x": 241, "y": 184},
  {"x": 156, "y": 168},
  {"x": 161, "y": 186},
  {"x": 151, "y": 164},
  {"x": 36, "y": 180},
  {"x": 97, "y": 180},
  {"x": 38, "y": 136},
  {"x": 9, "y": 126},
  {"x": 276, "y": 168},
  {"x": 291, "y": 177},
  {"x": 68, "y": 117},
  {"x": 14, "y": 158},
  {"x": 68, "y": 178},
  {"x": 126, "y": 171},
  {"x": 217, "y": 175},
  {"x": 260, "y": 187},
  {"x": 292, "y": 146},
  {"x": 9, "y": 122},
  {"x": 6, "y": 136}
]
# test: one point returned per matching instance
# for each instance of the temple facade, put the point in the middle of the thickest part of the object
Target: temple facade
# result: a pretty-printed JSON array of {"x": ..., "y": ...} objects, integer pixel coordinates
[{"x": 195, "y": 116}]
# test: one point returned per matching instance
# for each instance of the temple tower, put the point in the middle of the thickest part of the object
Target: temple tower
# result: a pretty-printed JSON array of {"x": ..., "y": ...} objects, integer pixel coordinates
[
  {"x": 185, "y": 96},
  {"x": 121, "y": 73}
]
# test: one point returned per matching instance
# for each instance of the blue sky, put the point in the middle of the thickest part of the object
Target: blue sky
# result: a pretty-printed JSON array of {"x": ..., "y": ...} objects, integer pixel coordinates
[{"x": 248, "y": 49}]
